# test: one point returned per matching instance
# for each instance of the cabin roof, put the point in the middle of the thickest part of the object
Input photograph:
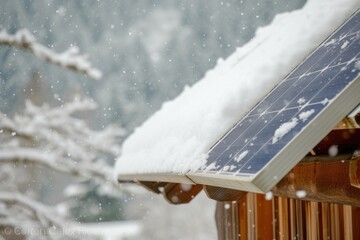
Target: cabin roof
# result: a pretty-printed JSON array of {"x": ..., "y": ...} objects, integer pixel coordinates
[{"x": 176, "y": 143}]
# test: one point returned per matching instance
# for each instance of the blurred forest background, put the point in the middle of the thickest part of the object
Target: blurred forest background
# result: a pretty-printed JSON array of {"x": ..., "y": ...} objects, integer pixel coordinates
[{"x": 148, "y": 51}]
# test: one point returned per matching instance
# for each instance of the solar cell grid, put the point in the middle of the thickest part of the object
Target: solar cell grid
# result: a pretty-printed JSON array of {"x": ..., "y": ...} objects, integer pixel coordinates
[{"x": 290, "y": 107}]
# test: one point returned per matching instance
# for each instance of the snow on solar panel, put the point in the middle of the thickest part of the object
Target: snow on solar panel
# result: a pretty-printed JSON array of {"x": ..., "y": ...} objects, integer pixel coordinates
[{"x": 278, "y": 132}]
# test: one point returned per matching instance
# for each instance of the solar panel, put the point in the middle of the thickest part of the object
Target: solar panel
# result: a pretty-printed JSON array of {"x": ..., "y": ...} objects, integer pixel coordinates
[{"x": 277, "y": 133}]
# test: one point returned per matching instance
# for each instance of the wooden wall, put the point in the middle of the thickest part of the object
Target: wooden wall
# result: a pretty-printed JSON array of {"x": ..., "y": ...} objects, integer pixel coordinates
[{"x": 254, "y": 217}]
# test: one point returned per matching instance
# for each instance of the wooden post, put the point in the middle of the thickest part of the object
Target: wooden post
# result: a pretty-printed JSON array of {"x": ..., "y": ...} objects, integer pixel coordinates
[
  {"x": 356, "y": 222},
  {"x": 227, "y": 220},
  {"x": 292, "y": 222},
  {"x": 251, "y": 219},
  {"x": 299, "y": 220},
  {"x": 325, "y": 221},
  {"x": 264, "y": 218},
  {"x": 335, "y": 221},
  {"x": 243, "y": 219},
  {"x": 312, "y": 220},
  {"x": 283, "y": 218},
  {"x": 275, "y": 213},
  {"x": 348, "y": 225}
]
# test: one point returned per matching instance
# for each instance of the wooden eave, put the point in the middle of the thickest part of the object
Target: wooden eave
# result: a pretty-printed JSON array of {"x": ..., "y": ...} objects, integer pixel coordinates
[{"x": 324, "y": 178}]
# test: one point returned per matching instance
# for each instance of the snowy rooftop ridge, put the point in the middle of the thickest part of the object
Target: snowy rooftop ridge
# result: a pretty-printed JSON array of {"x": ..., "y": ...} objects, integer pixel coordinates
[{"x": 177, "y": 138}]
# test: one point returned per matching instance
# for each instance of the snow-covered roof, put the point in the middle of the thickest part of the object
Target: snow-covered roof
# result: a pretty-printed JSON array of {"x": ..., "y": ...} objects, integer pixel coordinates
[{"x": 177, "y": 138}]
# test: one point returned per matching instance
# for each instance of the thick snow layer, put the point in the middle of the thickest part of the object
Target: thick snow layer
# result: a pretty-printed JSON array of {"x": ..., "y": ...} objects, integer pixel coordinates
[{"x": 178, "y": 137}]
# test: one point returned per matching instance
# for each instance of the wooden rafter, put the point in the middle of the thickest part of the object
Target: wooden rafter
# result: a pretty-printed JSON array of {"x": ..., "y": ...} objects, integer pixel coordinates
[
  {"x": 354, "y": 172},
  {"x": 177, "y": 193},
  {"x": 223, "y": 194},
  {"x": 322, "y": 181}
]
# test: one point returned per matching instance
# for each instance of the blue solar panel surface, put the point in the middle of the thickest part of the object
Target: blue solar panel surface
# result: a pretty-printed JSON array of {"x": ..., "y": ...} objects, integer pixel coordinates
[{"x": 285, "y": 111}]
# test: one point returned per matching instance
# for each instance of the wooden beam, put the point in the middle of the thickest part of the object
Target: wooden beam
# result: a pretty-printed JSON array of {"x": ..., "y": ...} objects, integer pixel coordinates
[
  {"x": 321, "y": 180},
  {"x": 354, "y": 172},
  {"x": 180, "y": 193},
  {"x": 324, "y": 179},
  {"x": 223, "y": 194},
  {"x": 357, "y": 118},
  {"x": 346, "y": 141},
  {"x": 175, "y": 193}
]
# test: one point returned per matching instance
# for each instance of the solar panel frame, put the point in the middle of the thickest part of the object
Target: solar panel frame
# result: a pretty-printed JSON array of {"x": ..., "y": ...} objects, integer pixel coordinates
[
  {"x": 315, "y": 130},
  {"x": 170, "y": 177}
]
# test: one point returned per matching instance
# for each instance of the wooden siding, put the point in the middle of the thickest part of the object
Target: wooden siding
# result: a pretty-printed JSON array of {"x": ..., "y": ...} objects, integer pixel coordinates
[{"x": 286, "y": 218}]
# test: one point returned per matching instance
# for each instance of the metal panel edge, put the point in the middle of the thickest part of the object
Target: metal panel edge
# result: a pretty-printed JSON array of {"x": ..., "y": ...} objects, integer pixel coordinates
[
  {"x": 156, "y": 177},
  {"x": 226, "y": 181},
  {"x": 321, "y": 125}
]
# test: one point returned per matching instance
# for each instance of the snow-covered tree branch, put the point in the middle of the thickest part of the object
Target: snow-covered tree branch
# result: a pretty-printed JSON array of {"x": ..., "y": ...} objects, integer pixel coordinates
[
  {"x": 38, "y": 220},
  {"x": 47, "y": 139},
  {"x": 53, "y": 138},
  {"x": 100, "y": 172},
  {"x": 25, "y": 205},
  {"x": 70, "y": 59}
]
